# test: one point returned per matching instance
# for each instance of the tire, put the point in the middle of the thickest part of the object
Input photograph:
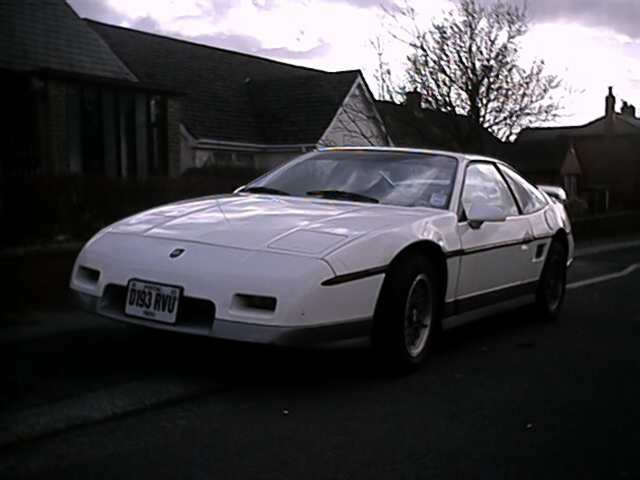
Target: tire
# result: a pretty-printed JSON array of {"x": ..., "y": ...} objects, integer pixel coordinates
[
  {"x": 407, "y": 314},
  {"x": 553, "y": 283}
]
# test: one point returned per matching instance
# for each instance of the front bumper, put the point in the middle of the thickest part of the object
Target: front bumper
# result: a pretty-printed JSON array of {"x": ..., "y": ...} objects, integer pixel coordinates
[{"x": 210, "y": 326}]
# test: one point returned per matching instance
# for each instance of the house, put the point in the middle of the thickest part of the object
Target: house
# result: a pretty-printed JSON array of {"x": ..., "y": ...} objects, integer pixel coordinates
[
  {"x": 241, "y": 109},
  {"x": 89, "y": 98},
  {"x": 599, "y": 161},
  {"x": 73, "y": 105},
  {"x": 411, "y": 125}
]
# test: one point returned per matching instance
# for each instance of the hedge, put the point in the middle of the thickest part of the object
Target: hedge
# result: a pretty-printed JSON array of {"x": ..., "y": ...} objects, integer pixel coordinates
[
  {"x": 43, "y": 209},
  {"x": 61, "y": 208}
]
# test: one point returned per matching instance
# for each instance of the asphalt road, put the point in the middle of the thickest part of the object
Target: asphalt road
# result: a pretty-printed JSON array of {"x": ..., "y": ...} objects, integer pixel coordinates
[{"x": 508, "y": 397}]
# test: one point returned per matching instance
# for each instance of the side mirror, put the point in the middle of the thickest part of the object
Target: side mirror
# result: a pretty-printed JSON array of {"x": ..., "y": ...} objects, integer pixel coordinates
[
  {"x": 480, "y": 213},
  {"x": 554, "y": 192}
]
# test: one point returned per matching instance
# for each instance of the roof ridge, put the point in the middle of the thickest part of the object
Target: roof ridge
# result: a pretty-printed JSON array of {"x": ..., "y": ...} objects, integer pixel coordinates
[
  {"x": 300, "y": 75},
  {"x": 563, "y": 127},
  {"x": 102, "y": 42},
  {"x": 633, "y": 122},
  {"x": 204, "y": 45}
]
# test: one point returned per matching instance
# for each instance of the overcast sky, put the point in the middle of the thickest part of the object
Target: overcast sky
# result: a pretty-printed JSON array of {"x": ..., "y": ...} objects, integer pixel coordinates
[{"x": 591, "y": 44}]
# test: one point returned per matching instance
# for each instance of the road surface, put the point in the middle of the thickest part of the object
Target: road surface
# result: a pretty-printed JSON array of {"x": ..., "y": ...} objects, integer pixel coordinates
[{"x": 508, "y": 397}]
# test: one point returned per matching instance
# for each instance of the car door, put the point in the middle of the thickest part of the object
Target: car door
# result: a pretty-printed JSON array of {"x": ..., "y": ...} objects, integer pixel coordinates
[{"x": 494, "y": 256}]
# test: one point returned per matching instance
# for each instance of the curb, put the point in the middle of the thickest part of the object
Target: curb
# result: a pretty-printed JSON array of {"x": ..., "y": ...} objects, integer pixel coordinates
[{"x": 606, "y": 247}]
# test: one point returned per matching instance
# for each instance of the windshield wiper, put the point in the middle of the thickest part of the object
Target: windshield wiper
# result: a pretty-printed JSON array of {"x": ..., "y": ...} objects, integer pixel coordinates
[
  {"x": 341, "y": 195},
  {"x": 267, "y": 190}
]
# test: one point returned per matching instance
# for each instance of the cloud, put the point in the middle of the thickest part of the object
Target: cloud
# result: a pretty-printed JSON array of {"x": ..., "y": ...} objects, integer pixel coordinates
[
  {"x": 146, "y": 24},
  {"x": 97, "y": 10},
  {"x": 230, "y": 41},
  {"x": 621, "y": 16},
  {"x": 252, "y": 45},
  {"x": 320, "y": 50},
  {"x": 214, "y": 10},
  {"x": 390, "y": 5}
]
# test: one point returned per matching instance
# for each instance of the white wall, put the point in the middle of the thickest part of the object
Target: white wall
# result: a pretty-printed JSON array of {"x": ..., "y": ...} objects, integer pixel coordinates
[
  {"x": 187, "y": 151},
  {"x": 356, "y": 124}
]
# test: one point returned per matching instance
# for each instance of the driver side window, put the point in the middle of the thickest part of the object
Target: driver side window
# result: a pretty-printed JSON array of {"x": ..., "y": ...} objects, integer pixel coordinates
[{"x": 484, "y": 184}]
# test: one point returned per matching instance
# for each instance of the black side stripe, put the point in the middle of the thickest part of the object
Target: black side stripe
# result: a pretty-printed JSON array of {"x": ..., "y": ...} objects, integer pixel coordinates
[
  {"x": 470, "y": 251},
  {"x": 350, "y": 277},
  {"x": 467, "y": 304},
  {"x": 371, "y": 272}
]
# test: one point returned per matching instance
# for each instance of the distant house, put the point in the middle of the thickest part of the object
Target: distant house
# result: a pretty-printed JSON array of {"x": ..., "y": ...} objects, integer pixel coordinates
[
  {"x": 411, "y": 125},
  {"x": 554, "y": 162},
  {"x": 599, "y": 161},
  {"x": 90, "y": 98}
]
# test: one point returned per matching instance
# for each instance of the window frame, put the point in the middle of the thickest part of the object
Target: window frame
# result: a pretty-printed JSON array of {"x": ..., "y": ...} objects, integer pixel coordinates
[
  {"x": 462, "y": 215},
  {"x": 306, "y": 156},
  {"x": 520, "y": 207}
]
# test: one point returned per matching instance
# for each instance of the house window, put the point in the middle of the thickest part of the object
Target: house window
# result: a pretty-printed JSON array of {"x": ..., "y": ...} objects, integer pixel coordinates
[
  {"x": 158, "y": 161},
  {"x": 203, "y": 158},
  {"x": 91, "y": 132},
  {"x": 245, "y": 160},
  {"x": 571, "y": 185}
]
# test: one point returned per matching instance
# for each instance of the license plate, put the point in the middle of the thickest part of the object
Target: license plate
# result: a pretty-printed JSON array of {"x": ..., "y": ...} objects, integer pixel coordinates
[{"x": 152, "y": 301}]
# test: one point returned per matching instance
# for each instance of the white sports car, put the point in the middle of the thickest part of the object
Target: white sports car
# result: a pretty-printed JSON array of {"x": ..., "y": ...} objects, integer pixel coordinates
[{"x": 389, "y": 244}]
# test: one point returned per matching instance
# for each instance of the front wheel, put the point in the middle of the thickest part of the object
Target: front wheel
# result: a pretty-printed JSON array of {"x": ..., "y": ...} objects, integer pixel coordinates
[
  {"x": 553, "y": 282},
  {"x": 406, "y": 317}
]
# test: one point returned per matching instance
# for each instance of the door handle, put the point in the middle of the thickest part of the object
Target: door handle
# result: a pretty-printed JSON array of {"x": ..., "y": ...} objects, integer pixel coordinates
[{"x": 526, "y": 240}]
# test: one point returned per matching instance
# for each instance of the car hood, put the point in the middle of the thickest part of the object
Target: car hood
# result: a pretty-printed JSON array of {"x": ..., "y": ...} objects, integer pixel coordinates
[{"x": 293, "y": 224}]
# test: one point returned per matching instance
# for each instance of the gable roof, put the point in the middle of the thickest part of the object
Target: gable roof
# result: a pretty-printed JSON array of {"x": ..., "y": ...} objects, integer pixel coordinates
[
  {"x": 232, "y": 96},
  {"x": 48, "y": 35},
  {"x": 430, "y": 129},
  {"x": 622, "y": 125}
]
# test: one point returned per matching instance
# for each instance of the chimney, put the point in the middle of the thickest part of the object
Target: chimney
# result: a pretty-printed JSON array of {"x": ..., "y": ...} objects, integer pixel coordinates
[
  {"x": 610, "y": 113},
  {"x": 610, "y": 102},
  {"x": 628, "y": 110},
  {"x": 413, "y": 100}
]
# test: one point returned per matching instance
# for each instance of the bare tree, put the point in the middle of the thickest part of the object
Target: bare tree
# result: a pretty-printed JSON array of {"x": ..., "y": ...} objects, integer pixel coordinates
[
  {"x": 382, "y": 74},
  {"x": 468, "y": 64}
]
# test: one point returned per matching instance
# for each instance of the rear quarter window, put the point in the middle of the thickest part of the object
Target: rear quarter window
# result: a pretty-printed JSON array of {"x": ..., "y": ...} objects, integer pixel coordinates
[{"x": 529, "y": 197}]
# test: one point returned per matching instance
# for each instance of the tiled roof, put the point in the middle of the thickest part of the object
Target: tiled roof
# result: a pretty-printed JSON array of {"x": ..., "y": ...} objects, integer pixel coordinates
[
  {"x": 623, "y": 125},
  {"x": 430, "y": 128},
  {"x": 231, "y": 96},
  {"x": 299, "y": 107},
  {"x": 48, "y": 35}
]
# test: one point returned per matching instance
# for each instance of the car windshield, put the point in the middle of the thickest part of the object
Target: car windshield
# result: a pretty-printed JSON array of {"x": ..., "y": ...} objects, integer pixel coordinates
[{"x": 391, "y": 178}]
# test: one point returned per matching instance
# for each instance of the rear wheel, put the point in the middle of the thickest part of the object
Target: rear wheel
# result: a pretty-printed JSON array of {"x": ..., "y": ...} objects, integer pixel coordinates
[
  {"x": 406, "y": 317},
  {"x": 553, "y": 282}
]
